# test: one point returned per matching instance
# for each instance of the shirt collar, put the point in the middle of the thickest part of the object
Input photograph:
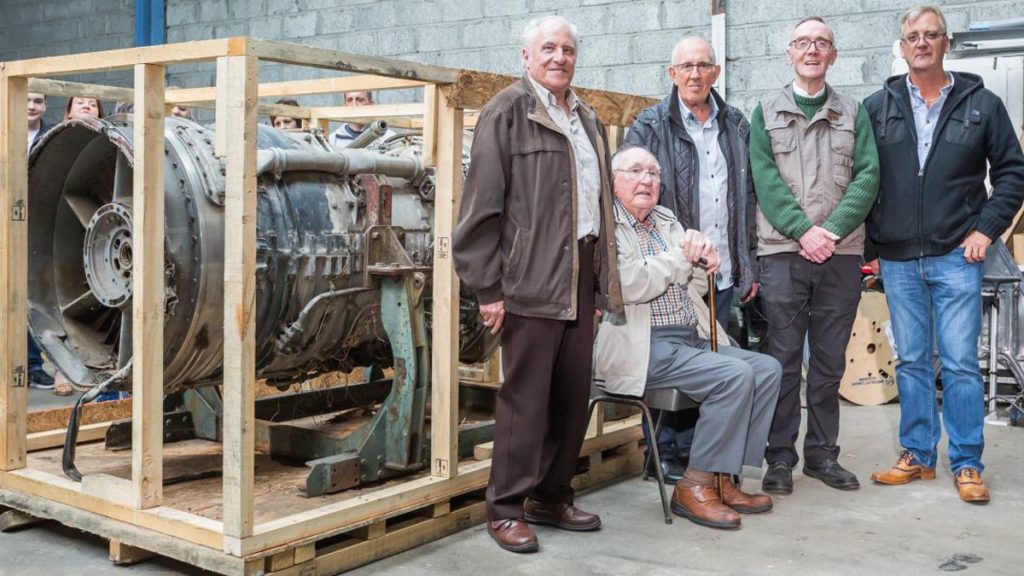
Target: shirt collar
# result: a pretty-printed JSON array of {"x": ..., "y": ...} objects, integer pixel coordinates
[
  {"x": 646, "y": 223},
  {"x": 915, "y": 93},
  {"x": 803, "y": 93},
  {"x": 689, "y": 116},
  {"x": 549, "y": 98}
]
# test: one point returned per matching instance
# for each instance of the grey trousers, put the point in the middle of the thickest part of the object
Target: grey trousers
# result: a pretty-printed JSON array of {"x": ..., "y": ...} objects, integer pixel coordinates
[{"x": 737, "y": 390}]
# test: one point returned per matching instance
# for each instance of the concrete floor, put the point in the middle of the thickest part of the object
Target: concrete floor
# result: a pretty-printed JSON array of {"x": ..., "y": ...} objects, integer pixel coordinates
[{"x": 816, "y": 531}]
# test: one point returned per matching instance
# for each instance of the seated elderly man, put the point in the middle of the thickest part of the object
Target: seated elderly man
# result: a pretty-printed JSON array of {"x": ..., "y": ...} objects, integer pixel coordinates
[{"x": 662, "y": 341}]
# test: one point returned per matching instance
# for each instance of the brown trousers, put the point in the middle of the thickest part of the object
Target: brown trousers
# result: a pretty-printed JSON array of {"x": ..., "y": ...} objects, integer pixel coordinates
[{"x": 541, "y": 412}]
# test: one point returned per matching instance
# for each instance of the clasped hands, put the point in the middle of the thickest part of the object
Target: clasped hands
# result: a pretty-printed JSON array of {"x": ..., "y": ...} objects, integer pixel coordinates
[{"x": 818, "y": 244}]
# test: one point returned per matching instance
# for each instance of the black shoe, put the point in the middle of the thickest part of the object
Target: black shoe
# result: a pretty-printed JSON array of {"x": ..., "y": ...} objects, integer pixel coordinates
[
  {"x": 41, "y": 380},
  {"x": 832, "y": 474},
  {"x": 778, "y": 479},
  {"x": 671, "y": 469}
]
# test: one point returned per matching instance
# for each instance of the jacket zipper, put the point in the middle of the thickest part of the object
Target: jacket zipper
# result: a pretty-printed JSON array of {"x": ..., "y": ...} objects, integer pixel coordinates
[{"x": 920, "y": 173}]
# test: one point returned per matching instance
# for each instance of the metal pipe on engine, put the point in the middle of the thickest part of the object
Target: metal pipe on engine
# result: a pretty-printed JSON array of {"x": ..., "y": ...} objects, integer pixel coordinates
[
  {"x": 371, "y": 133},
  {"x": 342, "y": 162}
]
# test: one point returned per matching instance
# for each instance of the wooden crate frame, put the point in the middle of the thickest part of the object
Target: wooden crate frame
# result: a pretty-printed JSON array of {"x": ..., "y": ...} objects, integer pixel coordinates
[{"x": 132, "y": 513}]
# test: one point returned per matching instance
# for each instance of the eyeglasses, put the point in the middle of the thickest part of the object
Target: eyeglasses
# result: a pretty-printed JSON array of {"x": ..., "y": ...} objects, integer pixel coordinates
[
  {"x": 820, "y": 44},
  {"x": 930, "y": 37},
  {"x": 688, "y": 67},
  {"x": 638, "y": 174}
]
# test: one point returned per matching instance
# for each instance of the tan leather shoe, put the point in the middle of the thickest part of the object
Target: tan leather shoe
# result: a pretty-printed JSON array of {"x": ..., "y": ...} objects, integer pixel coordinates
[
  {"x": 513, "y": 534},
  {"x": 971, "y": 487},
  {"x": 560, "y": 515},
  {"x": 739, "y": 500},
  {"x": 905, "y": 470},
  {"x": 702, "y": 505}
]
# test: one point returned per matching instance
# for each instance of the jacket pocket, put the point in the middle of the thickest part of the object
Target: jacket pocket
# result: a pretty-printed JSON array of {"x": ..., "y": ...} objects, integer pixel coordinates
[
  {"x": 963, "y": 132},
  {"x": 515, "y": 268},
  {"x": 540, "y": 143},
  {"x": 889, "y": 131},
  {"x": 783, "y": 140}
]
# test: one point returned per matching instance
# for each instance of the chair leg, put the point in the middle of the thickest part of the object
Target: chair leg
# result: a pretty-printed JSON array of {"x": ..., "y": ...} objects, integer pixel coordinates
[
  {"x": 657, "y": 464},
  {"x": 655, "y": 430}
]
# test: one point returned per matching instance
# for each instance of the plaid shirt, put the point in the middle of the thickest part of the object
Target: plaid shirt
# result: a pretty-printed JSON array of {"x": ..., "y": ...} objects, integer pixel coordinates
[{"x": 674, "y": 306}]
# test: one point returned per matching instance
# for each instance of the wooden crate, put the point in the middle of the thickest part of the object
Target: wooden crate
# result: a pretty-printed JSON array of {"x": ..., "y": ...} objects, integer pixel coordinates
[{"x": 132, "y": 507}]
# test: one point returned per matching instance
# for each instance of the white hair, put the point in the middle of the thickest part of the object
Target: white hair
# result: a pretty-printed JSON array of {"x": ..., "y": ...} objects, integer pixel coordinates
[
  {"x": 533, "y": 28},
  {"x": 692, "y": 40},
  {"x": 617, "y": 159},
  {"x": 910, "y": 16}
]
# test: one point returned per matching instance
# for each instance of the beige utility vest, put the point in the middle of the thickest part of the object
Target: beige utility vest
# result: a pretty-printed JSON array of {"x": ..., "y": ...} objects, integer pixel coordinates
[{"x": 815, "y": 159}]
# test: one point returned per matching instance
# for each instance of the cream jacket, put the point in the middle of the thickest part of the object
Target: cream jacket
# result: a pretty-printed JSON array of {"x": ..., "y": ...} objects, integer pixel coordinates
[{"x": 623, "y": 345}]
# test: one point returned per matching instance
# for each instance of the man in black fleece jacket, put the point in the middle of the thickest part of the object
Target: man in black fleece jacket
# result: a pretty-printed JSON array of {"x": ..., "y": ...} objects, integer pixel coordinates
[{"x": 937, "y": 133}]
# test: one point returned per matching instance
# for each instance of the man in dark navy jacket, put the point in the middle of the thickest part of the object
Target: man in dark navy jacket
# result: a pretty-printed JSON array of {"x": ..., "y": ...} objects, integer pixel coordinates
[{"x": 938, "y": 133}]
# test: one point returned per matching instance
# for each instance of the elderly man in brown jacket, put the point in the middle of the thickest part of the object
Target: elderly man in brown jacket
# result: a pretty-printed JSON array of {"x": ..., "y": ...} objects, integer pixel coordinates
[{"x": 536, "y": 242}]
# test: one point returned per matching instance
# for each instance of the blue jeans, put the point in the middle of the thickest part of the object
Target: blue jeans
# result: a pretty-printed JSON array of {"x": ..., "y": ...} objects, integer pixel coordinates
[
  {"x": 948, "y": 289},
  {"x": 35, "y": 359}
]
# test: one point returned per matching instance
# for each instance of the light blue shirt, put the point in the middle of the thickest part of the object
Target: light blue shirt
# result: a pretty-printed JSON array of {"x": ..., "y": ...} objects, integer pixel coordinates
[
  {"x": 588, "y": 171},
  {"x": 714, "y": 186},
  {"x": 926, "y": 118}
]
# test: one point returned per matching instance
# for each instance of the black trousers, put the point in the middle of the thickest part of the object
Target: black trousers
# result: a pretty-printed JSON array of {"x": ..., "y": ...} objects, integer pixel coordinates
[
  {"x": 817, "y": 302},
  {"x": 541, "y": 411}
]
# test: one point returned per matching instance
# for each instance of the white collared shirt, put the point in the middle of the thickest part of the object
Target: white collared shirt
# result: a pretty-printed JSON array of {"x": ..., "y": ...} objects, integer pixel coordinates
[
  {"x": 588, "y": 174},
  {"x": 803, "y": 93}
]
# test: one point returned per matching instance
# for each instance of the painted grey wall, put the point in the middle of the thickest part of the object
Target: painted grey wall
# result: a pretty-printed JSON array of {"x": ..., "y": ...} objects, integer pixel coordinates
[{"x": 624, "y": 45}]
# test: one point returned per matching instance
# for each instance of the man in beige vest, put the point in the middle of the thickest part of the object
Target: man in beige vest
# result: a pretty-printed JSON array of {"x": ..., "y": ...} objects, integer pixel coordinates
[{"x": 815, "y": 169}]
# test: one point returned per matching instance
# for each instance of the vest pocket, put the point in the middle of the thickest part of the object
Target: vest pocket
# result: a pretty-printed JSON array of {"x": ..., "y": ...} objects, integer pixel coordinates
[{"x": 841, "y": 144}]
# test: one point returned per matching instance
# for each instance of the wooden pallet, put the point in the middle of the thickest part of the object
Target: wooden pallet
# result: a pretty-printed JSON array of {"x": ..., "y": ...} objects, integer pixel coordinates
[
  {"x": 250, "y": 525},
  {"x": 613, "y": 455}
]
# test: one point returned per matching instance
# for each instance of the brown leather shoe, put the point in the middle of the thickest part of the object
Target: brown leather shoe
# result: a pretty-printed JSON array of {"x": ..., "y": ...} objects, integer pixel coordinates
[
  {"x": 906, "y": 469},
  {"x": 739, "y": 500},
  {"x": 702, "y": 506},
  {"x": 561, "y": 515},
  {"x": 971, "y": 487},
  {"x": 513, "y": 534}
]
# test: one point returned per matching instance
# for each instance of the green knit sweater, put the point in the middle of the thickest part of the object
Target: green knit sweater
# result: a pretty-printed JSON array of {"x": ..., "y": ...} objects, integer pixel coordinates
[{"x": 776, "y": 200}]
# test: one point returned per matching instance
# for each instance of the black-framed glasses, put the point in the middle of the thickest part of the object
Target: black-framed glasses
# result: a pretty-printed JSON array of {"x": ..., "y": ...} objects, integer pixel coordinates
[
  {"x": 689, "y": 67},
  {"x": 821, "y": 44},
  {"x": 638, "y": 174},
  {"x": 930, "y": 37}
]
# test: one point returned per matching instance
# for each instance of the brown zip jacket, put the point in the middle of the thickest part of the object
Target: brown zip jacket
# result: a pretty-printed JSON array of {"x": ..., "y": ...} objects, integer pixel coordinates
[{"x": 516, "y": 236}]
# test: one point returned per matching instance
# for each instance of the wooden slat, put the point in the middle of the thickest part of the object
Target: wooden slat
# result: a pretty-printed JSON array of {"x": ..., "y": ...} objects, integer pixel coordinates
[
  {"x": 57, "y": 418},
  {"x": 124, "y": 554},
  {"x": 13, "y": 271},
  {"x": 148, "y": 287},
  {"x": 364, "y": 112},
  {"x": 429, "y": 151},
  {"x": 338, "y": 60},
  {"x": 300, "y": 88},
  {"x": 82, "y": 89},
  {"x": 54, "y": 438},
  {"x": 473, "y": 89},
  {"x": 445, "y": 336},
  {"x": 614, "y": 434},
  {"x": 238, "y": 81},
  {"x": 125, "y": 58}
]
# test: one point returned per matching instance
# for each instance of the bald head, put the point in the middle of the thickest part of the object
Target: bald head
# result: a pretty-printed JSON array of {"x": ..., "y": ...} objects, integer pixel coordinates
[{"x": 692, "y": 44}]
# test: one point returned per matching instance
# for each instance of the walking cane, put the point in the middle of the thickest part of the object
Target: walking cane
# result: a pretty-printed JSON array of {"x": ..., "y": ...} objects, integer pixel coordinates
[
  {"x": 711, "y": 308},
  {"x": 720, "y": 477}
]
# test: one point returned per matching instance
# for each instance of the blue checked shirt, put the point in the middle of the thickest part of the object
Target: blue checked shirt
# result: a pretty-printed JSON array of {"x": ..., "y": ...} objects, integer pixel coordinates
[{"x": 674, "y": 306}]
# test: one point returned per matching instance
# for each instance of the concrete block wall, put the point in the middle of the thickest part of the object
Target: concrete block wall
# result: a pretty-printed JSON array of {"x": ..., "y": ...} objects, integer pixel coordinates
[{"x": 624, "y": 45}]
